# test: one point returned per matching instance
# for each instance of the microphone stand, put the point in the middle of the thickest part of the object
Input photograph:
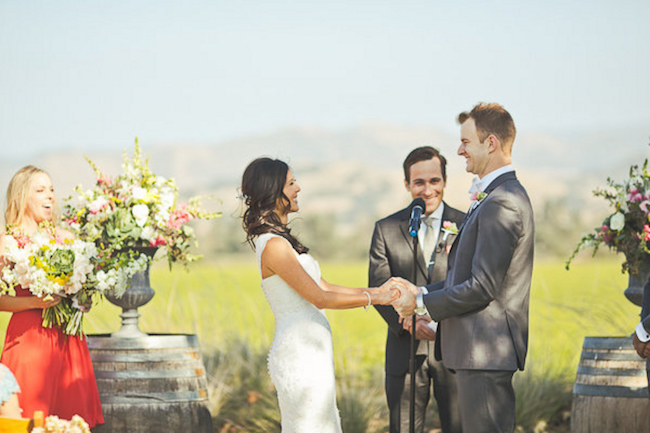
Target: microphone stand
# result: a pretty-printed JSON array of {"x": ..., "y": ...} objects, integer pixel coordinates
[{"x": 412, "y": 355}]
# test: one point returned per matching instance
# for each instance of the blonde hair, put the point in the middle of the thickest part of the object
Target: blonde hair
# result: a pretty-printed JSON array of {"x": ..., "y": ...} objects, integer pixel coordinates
[{"x": 18, "y": 195}]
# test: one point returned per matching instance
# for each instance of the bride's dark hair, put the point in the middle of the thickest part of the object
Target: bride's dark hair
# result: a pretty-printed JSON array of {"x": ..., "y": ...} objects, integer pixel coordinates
[{"x": 261, "y": 186}]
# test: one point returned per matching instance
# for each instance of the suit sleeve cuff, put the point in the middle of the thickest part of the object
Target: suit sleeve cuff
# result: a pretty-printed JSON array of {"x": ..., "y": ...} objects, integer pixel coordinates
[{"x": 641, "y": 332}]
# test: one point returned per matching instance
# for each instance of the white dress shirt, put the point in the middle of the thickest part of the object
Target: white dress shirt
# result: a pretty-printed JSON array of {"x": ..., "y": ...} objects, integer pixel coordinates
[{"x": 481, "y": 184}]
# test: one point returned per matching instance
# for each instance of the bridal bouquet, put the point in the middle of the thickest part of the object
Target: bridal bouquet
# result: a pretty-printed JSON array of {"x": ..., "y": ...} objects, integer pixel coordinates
[
  {"x": 48, "y": 265},
  {"x": 135, "y": 209},
  {"x": 627, "y": 228}
]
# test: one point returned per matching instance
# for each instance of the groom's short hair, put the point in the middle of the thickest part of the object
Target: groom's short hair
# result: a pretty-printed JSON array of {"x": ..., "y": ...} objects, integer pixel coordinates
[
  {"x": 492, "y": 119},
  {"x": 424, "y": 153}
]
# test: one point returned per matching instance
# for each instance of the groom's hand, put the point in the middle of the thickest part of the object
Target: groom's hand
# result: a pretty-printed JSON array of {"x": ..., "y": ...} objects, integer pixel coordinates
[
  {"x": 422, "y": 329},
  {"x": 405, "y": 304},
  {"x": 408, "y": 285}
]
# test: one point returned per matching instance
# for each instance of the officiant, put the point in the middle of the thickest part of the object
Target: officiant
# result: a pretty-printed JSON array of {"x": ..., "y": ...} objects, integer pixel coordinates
[{"x": 391, "y": 255}]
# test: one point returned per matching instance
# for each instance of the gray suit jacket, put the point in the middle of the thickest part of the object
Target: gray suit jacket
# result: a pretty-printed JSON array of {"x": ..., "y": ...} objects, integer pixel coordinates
[
  {"x": 483, "y": 305},
  {"x": 391, "y": 255}
]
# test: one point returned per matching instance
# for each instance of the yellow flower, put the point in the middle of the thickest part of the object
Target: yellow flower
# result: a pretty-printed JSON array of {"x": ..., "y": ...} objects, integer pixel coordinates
[{"x": 150, "y": 197}]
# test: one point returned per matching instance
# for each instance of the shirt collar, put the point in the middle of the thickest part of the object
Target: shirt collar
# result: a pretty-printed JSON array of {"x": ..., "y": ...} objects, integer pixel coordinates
[
  {"x": 483, "y": 183},
  {"x": 438, "y": 212}
]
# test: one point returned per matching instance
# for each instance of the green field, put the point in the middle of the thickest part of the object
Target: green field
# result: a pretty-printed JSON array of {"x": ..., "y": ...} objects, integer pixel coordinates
[{"x": 223, "y": 304}]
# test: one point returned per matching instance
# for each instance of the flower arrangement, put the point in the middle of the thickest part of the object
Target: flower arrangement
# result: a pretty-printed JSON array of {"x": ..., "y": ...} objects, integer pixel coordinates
[
  {"x": 53, "y": 424},
  {"x": 448, "y": 228},
  {"x": 135, "y": 209},
  {"x": 48, "y": 264},
  {"x": 627, "y": 228},
  {"x": 478, "y": 196}
]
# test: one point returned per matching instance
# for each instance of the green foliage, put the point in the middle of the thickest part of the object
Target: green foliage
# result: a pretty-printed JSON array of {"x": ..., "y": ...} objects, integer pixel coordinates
[
  {"x": 242, "y": 395},
  {"x": 627, "y": 228}
]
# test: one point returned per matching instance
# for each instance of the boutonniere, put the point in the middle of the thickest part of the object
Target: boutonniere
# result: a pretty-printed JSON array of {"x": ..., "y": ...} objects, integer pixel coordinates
[
  {"x": 448, "y": 228},
  {"x": 478, "y": 196}
]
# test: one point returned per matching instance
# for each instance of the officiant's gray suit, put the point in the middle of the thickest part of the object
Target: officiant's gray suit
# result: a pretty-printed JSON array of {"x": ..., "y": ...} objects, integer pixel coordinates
[
  {"x": 391, "y": 255},
  {"x": 482, "y": 306}
]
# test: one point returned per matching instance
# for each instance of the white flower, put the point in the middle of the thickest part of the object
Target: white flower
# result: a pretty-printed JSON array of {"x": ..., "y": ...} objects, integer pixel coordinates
[
  {"x": 167, "y": 198},
  {"x": 138, "y": 193},
  {"x": 97, "y": 205},
  {"x": 103, "y": 282},
  {"x": 148, "y": 234},
  {"x": 10, "y": 242},
  {"x": 141, "y": 214},
  {"x": 617, "y": 221}
]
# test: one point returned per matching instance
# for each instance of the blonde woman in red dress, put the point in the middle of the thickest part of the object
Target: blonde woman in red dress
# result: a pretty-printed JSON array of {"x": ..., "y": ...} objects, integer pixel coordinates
[{"x": 54, "y": 370}]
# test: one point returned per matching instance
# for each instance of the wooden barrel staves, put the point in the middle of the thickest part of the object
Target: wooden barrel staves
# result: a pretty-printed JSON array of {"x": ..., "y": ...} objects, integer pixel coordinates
[
  {"x": 610, "y": 393},
  {"x": 151, "y": 384}
]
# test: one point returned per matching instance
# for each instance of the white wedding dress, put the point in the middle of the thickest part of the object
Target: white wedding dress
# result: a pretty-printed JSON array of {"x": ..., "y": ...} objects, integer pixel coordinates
[{"x": 301, "y": 360}]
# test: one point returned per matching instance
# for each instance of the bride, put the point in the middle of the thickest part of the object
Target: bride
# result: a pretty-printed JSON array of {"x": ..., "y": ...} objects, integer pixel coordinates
[{"x": 301, "y": 362}]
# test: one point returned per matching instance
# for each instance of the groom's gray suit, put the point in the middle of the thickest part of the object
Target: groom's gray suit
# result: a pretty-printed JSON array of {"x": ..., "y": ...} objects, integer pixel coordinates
[
  {"x": 391, "y": 255},
  {"x": 482, "y": 306}
]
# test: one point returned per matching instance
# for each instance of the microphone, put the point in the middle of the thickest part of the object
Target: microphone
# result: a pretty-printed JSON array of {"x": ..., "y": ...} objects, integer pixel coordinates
[{"x": 417, "y": 209}]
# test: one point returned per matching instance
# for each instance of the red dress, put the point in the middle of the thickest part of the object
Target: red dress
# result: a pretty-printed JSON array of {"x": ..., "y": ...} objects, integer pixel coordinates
[{"x": 54, "y": 370}]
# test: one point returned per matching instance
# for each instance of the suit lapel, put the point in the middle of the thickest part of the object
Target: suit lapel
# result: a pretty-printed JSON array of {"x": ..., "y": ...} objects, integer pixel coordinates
[
  {"x": 491, "y": 187},
  {"x": 443, "y": 247},
  {"x": 404, "y": 226}
]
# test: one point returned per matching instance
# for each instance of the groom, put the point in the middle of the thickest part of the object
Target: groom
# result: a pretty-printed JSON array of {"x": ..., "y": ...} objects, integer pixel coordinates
[{"x": 482, "y": 306}]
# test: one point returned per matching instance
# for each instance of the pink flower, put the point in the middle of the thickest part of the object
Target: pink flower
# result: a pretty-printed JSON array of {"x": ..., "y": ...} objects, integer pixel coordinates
[
  {"x": 644, "y": 206},
  {"x": 21, "y": 238},
  {"x": 478, "y": 196},
  {"x": 97, "y": 205},
  {"x": 635, "y": 196},
  {"x": 606, "y": 234},
  {"x": 160, "y": 241},
  {"x": 179, "y": 217},
  {"x": 446, "y": 224},
  {"x": 646, "y": 232}
]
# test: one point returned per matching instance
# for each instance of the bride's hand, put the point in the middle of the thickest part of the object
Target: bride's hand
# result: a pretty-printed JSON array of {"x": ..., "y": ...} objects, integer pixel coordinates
[
  {"x": 386, "y": 296},
  {"x": 389, "y": 285}
]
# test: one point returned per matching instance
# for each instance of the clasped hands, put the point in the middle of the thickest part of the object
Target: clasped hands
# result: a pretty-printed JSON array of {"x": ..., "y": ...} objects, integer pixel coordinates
[{"x": 404, "y": 294}]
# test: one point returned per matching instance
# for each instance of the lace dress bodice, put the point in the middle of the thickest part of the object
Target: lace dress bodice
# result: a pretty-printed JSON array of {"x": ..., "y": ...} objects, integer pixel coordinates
[{"x": 301, "y": 360}]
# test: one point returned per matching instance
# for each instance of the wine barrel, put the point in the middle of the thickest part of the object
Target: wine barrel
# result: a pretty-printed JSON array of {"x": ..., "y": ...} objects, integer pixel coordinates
[
  {"x": 150, "y": 384},
  {"x": 610, "y": 393}
]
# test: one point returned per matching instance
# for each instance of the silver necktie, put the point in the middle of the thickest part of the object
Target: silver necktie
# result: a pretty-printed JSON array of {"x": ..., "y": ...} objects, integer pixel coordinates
[{"x": 429, "y": 240}]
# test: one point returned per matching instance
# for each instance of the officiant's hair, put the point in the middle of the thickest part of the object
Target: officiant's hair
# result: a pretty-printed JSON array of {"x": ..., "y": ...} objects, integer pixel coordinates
[
  {"x": 424, "y": 153},
  {"x": 262, "y": 187},
  {"x": 18, "y": 195},
  {"x": 492, "y": 119}
]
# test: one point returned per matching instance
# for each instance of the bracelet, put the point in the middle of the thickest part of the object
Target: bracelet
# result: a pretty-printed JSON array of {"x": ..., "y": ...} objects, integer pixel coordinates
[{"x": 369, "y": 301}]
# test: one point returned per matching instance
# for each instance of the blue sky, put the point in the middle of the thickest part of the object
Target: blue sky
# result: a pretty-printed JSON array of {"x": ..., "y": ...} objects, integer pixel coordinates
[{"x": 94, "y": 74}]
